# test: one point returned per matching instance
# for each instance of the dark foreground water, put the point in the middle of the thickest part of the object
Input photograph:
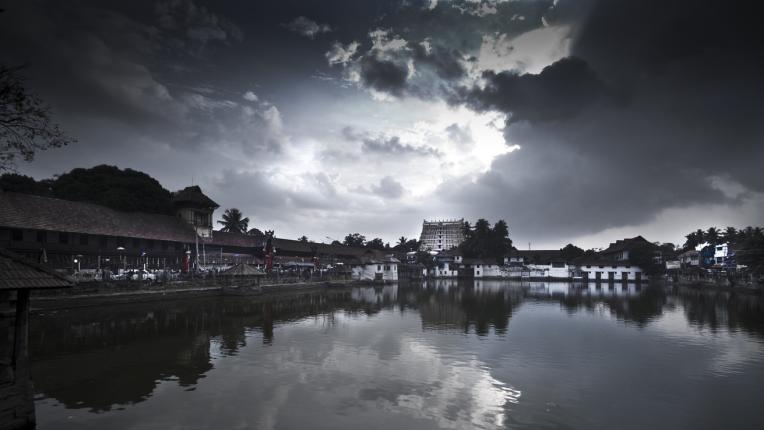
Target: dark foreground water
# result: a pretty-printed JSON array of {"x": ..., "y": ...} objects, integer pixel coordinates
[{"x": 445, "y": 355}]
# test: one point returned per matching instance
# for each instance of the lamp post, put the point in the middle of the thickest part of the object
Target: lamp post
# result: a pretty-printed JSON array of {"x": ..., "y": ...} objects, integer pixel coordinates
[{"x": 121, "y": 251}]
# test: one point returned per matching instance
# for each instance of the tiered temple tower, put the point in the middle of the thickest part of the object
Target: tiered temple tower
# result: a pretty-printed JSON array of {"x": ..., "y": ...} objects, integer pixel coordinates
[{"x": 441, "y": 235}]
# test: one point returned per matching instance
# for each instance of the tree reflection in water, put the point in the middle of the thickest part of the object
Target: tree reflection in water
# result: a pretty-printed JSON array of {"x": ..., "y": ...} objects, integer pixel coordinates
[{"x": 107, "y": 357}]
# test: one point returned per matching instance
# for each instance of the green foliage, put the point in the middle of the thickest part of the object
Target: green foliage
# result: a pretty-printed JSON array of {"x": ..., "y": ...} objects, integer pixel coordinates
[
  {"x": 714, "y": 236},
  {"x": 234, "y": 221},
  {"x": 25, "y": 123},
  {"x": 303, "y": 238},
  {"x": 424, "y": 258},
  {"x": 571, "y": 252},
  {"x": 25, "y": 184},
  {"x": 749, "y": 250},
  {"x": 485, "y": 242},
  {"x": 694, "y": 239},
  {"x": 376, "y": 243},
  {"x": 125, "y": 190},
  {"x": 406, "y": 245},
  {"x": 642, "y": 255},
  {"x": 355, "y": 239}
]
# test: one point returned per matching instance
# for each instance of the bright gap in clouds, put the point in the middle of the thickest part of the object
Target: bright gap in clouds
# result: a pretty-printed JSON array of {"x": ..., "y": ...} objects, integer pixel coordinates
[{"x": 461, "y": 144}]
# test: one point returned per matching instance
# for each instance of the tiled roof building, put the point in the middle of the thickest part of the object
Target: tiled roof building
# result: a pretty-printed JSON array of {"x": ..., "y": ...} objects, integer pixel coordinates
[
  {"x": 56, "y": 230},
  {"x": 17, "y": 273},
  {"x": 17, "y": 278}
]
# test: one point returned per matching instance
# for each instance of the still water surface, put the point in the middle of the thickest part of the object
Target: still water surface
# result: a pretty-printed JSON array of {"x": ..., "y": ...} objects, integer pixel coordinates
[{"x": 443, "y": 355}]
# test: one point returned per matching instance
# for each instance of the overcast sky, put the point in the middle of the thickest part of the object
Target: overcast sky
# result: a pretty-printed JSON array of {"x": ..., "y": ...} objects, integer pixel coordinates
[{"x": 574, "y": 121}]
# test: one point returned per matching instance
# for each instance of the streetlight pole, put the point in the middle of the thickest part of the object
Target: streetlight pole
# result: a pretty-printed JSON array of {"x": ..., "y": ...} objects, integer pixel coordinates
[{"x": 121, "y": 251}]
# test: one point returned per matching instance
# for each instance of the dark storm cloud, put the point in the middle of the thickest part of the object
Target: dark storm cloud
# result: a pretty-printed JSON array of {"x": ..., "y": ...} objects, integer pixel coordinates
[
  {"x": 559, "y": 92},
  {"x": 437, "y": 43},
  {"x": 685, "y": 75},
  {"x": 189, "y": 20},
  {"x": 416, "y": 69},
  {"x": 307, "y": 27},
  {"x": 393, "y": 145},
  {"x": 383, "y": 75},
  {"x": 387, "y": 144},
  {"x": 148, "y": 74},
  {"x": 447, "y": 63}
]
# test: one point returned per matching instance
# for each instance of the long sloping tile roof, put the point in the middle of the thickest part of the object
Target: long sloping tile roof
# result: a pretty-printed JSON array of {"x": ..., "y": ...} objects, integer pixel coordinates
[
  {"x": 540, "y": 255},
  {"x": 45, "y": 213},
  {"x": 17, "y": 273},
  {"x": 288, "y": 245},
  {"x": 236, "y": 239}
]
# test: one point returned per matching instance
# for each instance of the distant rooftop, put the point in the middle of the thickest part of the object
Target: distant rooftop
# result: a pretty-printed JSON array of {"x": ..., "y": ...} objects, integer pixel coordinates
[
  {"x": 194, "y": 196},
  {"x": 624, "y": 244},
  {"x": 444, "y": 221}
]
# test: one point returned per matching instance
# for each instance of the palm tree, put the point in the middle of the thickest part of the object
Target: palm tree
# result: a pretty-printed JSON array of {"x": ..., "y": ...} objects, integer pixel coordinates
[
  {"x": 712, "y": 235},
  {"x": 402, "y": 241},
  {"x": 730, "y": 234},
  {"x": 233, "y": 222}
]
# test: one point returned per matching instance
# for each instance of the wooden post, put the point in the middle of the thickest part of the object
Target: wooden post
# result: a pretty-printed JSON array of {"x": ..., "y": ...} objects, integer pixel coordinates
[{"x": 18, "y": 407}]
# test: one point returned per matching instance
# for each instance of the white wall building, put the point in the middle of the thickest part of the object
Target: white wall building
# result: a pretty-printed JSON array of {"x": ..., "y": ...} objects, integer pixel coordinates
[
  {"x": 721, "y": 252},
  {"x": 555, "y": 269},
  {"x": 611, "y": 271},
  {"x": 383, "y": 269},
  {"x": 690, "y": 258},
  {"x": 481, "y": 268}
]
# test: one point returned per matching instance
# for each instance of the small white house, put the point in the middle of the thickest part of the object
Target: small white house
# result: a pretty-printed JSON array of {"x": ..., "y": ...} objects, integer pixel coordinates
[
  {"x": 481, "y": 268},
  {"x": 690, "y": 258},
  {"x": 445, "y": 270},
  {"x": 448, "y": 263},
  {"x": 721, "y": 252},
  {"x": 376, "y": 268},
  {"x": 611, "y": 271},
  {"x": 555, "y": 270}
]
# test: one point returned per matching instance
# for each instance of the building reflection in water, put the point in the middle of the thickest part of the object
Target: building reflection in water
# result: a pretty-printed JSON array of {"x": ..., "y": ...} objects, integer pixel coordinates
[{"x": 105, "y": 358}]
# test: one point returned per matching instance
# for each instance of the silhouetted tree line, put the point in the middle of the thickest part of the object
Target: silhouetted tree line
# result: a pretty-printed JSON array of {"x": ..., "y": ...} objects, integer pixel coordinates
[
  {"x": 747, "y": 242},
  {"x": 125, "y": 190},
  {"x": 484, "y": 241},
  {"x": 715, "y": 236}
]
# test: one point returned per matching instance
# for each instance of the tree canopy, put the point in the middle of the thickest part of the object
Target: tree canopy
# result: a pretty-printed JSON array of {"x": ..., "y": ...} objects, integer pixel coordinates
[
  {"x": 377, "y": 244},
  {"x": 715, "y": 236},
  {"x": 571, "y": 252},
  {"x": 484, "y": 241},
  {"x": 125, "y": 190},
  {"x": 25, "y": 184},
  {"x": 354, "y": 239},
  {"x": 25, "y": 122}
]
